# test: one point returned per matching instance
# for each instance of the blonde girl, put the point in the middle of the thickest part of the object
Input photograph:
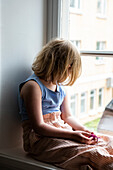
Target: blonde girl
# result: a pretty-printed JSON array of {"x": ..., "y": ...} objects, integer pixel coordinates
[{"x": 50, "y": 133}]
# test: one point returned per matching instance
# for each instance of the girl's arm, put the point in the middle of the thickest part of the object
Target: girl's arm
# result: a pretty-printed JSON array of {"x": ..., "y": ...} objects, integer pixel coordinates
[
  {"x": 68, "y": 118},
  {"x": 31, "y": 94}
]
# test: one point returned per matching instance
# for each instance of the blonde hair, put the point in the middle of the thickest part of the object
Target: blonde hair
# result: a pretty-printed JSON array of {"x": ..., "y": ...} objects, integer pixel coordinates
[{"x": 58, "y": 61}]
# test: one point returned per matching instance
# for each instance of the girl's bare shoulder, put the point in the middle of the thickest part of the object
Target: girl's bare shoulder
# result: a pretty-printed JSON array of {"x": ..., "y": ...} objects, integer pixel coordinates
[{"x": 30, "y": 87}]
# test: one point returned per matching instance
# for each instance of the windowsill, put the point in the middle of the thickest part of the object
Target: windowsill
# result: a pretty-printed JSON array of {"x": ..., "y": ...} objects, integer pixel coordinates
[
  {"x": 100, "y": 16},
  {"x": 14, "y": 158},
  {"x": 76, "y": 11}
]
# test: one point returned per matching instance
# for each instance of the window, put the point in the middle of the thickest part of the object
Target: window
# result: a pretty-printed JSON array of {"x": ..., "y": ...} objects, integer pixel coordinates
[
  {"x": 75, "y": 6},
  {"x": 92, "y": 100},
  {"x": 100, "y": 45},
  {"x": 93, "y": 35},
  {"x": 101, "y": 8},
  {"x": 83, "y": 102},
  {"x": 100, "y": 97},
  {"x": 77, "y": 43},
  {"x": 73, "y": 104}
]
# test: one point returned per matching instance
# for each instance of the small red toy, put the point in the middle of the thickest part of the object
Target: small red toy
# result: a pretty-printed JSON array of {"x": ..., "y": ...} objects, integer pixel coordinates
[{"x": 94, "y": 137}]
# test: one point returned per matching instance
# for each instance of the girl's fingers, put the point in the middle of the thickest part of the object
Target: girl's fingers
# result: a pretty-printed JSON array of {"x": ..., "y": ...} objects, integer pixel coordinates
[
  {"x": 92, "y": 142},
  {"x": 87, "y": 130},
  {"x": 87, "y": 137},
  {"x": 87, "y": 134},
  {"x": 88, "y": 140}
]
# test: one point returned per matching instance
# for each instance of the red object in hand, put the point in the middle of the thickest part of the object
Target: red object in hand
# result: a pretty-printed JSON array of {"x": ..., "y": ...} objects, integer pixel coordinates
[{"x": 94, "y": 137}]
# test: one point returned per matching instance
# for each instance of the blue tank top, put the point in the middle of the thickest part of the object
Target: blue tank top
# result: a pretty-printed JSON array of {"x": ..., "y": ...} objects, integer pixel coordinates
[{"x": 51, "y": 101}]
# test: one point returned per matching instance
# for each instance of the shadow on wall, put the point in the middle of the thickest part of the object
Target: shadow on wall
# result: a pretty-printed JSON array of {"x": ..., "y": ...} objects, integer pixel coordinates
[{"x": 10, "y": 124}]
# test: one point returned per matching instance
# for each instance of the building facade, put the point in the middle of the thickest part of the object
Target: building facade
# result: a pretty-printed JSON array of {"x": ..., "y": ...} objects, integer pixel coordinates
[{"x": 91, "y": 28}]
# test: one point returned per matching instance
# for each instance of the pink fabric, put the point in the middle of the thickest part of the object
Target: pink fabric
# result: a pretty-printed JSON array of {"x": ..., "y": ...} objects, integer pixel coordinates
[{"x": 67, "y": 154}]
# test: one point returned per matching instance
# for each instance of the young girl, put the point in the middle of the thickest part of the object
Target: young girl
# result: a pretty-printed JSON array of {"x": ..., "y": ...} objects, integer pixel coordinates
[{"x": 50, "y": 133}]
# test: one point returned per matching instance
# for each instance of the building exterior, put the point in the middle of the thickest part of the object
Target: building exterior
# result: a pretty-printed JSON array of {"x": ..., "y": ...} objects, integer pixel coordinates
[{"x": 91, "y": 28}]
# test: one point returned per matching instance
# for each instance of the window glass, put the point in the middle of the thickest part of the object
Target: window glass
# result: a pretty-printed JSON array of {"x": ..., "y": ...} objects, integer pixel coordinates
[
  {"x": 94, "y": 89},
  {"x": 94, "y": 32},
  {"x": 91, "y": 29}
]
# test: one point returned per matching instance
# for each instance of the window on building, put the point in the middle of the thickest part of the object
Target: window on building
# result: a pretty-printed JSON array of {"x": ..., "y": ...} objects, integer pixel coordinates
[
  {"x": 77, "y": 43},
  {"x": 92, "y": 100},
  {"x": 73, "y": 104},
  {"x": 75, "y": 6},
  {"x": 83, "y": 102},
  {"x": 101, "y": 8},
  {"x": 100, "y": 45},
  {"x": 96, "y": 36},
  {"x": 100, "y": 97}
]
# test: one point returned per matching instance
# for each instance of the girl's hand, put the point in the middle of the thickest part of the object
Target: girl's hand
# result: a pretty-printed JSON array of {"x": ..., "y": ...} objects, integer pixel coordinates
[
  {"x": 87, "y": 130},
  {"x": 84, "y": 137},
  {"x": 92, "y": 134}
]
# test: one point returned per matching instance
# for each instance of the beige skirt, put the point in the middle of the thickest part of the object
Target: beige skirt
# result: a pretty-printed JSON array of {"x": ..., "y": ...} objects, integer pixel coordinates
[{"x": 64, "y": 153}]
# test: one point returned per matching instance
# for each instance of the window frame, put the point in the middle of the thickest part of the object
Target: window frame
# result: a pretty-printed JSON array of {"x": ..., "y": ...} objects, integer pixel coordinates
[
  {"x": 53, "y": 19},
  {"x": 96, "y": 53}
]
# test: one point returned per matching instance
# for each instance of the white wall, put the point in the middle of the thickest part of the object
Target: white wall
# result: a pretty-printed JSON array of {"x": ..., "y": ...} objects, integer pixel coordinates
[{"x": 23, "y": 30}]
